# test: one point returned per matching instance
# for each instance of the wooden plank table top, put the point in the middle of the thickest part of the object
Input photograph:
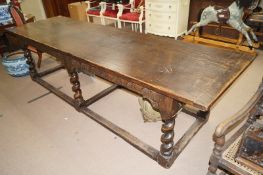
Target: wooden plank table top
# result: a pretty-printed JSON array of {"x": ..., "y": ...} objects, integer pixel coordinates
[
  {"x": 190, "y": 73},
  {"x": 172, "y": 75}
]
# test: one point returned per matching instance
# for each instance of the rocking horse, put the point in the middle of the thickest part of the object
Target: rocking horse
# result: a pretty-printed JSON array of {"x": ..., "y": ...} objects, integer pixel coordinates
[{"x": 233, "y": 16}]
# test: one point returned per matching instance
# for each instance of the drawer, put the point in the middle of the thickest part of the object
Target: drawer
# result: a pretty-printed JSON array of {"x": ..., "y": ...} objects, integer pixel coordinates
[
  {"x": 160, "y": 28},
  {"x": 160, "y": 6},
  {"x": 153, "y": 16}
]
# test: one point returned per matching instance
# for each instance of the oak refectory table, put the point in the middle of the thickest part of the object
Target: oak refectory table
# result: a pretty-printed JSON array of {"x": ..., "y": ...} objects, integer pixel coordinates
[{"x": 171, "y": 75}]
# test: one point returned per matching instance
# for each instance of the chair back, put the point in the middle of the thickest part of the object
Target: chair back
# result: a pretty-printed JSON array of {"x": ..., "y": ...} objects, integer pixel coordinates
[
  {"x": 17, "y": 15},
  {"x": 138, "y": 3}
]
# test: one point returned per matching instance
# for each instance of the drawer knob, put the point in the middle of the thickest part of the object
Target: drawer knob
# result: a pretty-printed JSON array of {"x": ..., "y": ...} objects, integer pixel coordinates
[
  {"x": 169, "y": 28},
  {"x": 169, "y": 17},
  {"x": 170, "y": 6}
]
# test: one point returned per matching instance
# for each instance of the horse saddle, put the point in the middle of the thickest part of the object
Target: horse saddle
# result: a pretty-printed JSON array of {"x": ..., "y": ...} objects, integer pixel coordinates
[{"x": 223, "y": 14}]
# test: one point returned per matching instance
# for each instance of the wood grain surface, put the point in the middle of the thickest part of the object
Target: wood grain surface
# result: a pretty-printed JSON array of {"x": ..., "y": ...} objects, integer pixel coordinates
[{"x": 190, "y": 73}]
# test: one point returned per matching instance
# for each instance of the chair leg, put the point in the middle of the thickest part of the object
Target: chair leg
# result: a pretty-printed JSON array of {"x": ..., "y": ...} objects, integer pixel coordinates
[
  {"x": 2, "y": 52},
  {"x": 213, "y": 165},
  {"x": 39, "y": 59},
  {"x": 140, "y": 27},
  {"x": 222, "y": 173},
  {"x": 88, "y": 19},
  {"x": 119, "y": 24},
  {"x": 132, "y": 26},
  {"x": 102, "y": 19}
]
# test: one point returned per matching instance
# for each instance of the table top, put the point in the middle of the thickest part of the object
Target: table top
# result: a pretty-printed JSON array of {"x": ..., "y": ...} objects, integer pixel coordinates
[{"x": 193, "y": 74}]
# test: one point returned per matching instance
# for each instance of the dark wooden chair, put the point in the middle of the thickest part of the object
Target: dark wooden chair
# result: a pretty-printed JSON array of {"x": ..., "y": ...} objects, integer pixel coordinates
[
  {"x": 226, "y": 144},
  {"x": 19, "y": 20}
]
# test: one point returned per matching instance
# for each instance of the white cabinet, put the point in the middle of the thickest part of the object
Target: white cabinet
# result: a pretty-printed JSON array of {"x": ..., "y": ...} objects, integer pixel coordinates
[{"x": 166, "y": 17}]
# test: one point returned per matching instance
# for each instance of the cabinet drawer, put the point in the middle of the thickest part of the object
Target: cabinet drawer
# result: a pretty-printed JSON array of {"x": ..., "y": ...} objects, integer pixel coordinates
[
  {"x": 158, "y": 28},
  {"x": 160, "y": 6},
  {"x": 153, "y": 16}
]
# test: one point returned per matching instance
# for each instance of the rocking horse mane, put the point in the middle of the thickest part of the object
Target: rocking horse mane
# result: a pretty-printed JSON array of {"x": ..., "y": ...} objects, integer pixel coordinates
[{"x": 244, "y": 3}]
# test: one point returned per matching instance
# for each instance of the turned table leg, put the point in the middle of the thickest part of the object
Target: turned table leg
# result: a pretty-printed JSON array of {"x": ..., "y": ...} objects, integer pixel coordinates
[
  {"x": 31, "y": 63},
  {"x": 166, "y": 155},
  {"x": 167, "y": 137},
  {"x": 168, "y": 109},
  {"x": 74, "y": 80}
]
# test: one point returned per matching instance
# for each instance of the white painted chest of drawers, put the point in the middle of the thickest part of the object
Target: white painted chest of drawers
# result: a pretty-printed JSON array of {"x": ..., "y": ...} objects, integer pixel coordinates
[{"x": 166, "y": 17}]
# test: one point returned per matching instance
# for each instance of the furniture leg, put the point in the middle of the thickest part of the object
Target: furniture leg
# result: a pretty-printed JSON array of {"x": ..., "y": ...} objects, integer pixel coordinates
[
  {"x": 2, "y": 52},
  {"x": 88, "y": 18},
  {"x": 212, "y": 169},
  {"x": 140, "y": 27},
  {"x": 166, "y": 154},
  {"x": 74, "y": 80},
  {"x": 217, "y": 152},
  {"x": 6, "y": 42},
  {"x": 167, "y": 137},
  {"x": 102, "y": 20},
  {"x": 222, "y": 173},
  {"x": 197, "y": 34},
  {"x": 119, "y": 24},
  {"x": 39, "y": 59},
  {"x": 240, "y": 39},
  {"x": 31, "y": 63},
  {"x": 168, "y": 109}
]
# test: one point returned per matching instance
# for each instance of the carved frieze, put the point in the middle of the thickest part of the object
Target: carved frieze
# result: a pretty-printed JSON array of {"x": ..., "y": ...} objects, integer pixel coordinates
[{"x": 165, "y": 105}]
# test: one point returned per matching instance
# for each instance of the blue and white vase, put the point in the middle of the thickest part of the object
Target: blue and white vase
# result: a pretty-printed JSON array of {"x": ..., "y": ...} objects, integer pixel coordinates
[
  {"x": 16, "y": 65},
  {"x": 5, "y": 17}
]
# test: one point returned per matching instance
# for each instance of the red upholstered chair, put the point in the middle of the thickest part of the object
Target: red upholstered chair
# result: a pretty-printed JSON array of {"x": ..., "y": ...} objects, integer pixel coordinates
[
  {"x": 135, "y": 16},
  {"x": 110, "y": 11},
  {"x": 93, "y": 9},
  {"x": 19, "y": 20}
]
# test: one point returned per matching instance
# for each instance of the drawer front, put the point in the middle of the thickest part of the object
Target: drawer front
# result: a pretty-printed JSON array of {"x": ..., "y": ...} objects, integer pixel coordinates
[
  {"x": 159, "y": 28},
  {"x": 156, "y": 17},
  {"x": 160, "y": 6}
]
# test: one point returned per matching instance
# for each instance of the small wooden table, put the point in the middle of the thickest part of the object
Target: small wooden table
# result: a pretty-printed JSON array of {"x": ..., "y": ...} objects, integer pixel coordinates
[{"x": 170, "y": 74}]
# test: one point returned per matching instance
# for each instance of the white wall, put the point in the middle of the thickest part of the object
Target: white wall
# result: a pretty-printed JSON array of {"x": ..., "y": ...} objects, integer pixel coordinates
[{"x": 34, "y": 7}]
